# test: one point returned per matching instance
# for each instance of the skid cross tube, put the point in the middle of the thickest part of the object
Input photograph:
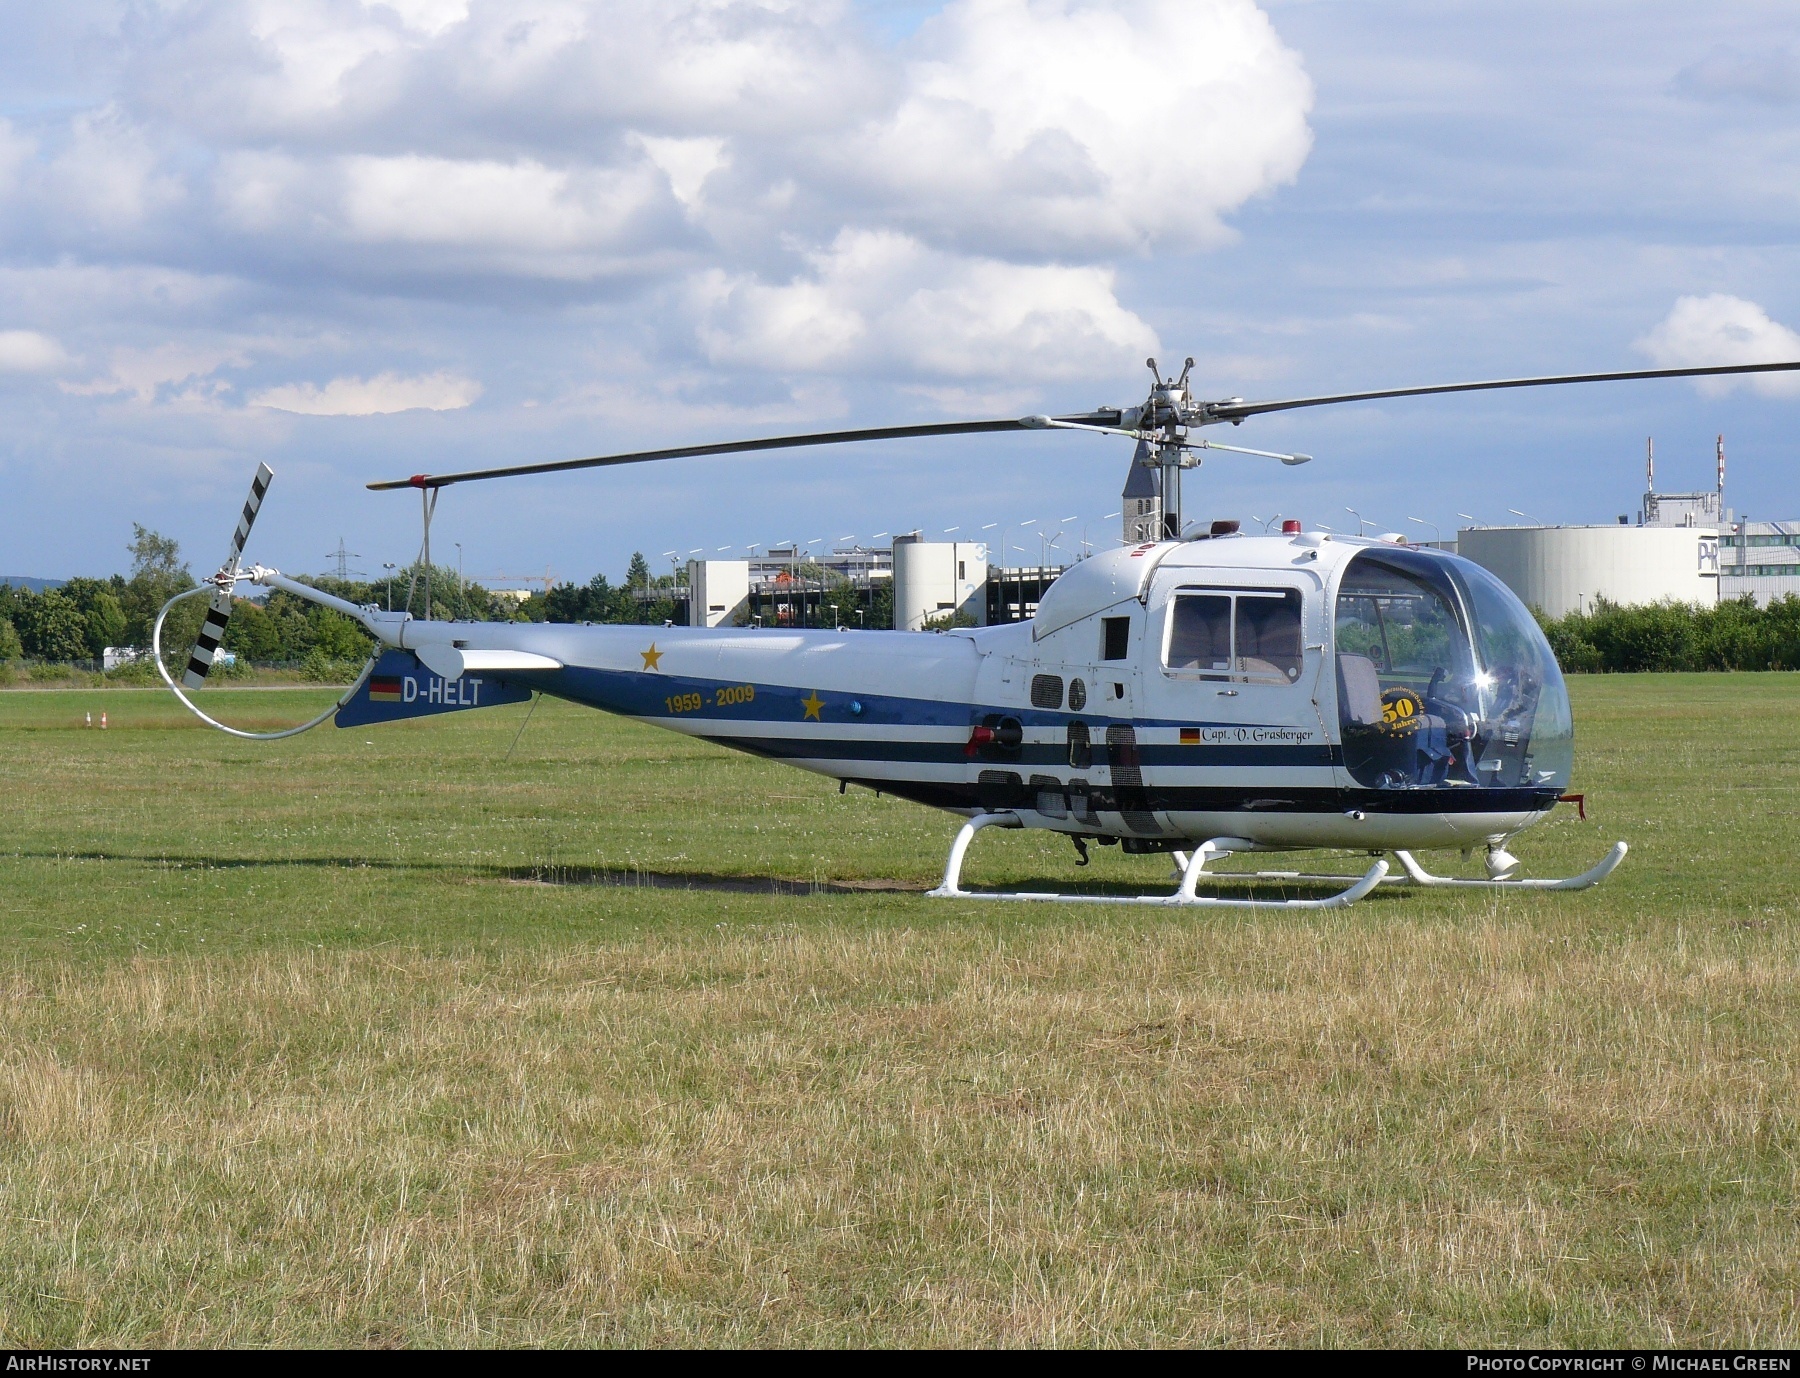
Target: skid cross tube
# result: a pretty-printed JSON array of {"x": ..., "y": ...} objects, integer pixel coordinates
[{"x": 1183, "y": 898}]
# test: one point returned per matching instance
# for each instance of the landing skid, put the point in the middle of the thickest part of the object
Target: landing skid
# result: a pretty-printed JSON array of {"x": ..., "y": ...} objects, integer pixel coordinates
[
  {"x": 1193, "y": 869},
  {"x": 1416, "y": 874}
]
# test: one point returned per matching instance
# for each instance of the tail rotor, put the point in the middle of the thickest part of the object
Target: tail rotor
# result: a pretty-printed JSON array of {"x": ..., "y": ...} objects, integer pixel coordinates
[{"x": 218, "y": 610}]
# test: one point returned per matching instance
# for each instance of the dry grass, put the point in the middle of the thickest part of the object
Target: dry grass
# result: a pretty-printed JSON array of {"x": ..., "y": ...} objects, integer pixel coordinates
[
  {"x": 592, "y": 1115},
  {"x": 1245, "y": 1136}
]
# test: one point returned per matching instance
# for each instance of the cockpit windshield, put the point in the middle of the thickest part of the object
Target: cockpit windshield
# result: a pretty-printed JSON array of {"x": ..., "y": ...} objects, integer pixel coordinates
[{"x": 1444, "y": 679}]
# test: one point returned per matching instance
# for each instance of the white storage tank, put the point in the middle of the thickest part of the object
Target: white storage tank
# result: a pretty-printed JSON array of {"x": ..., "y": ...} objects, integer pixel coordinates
[
  {"x": 937, "y": 579},
  {"x": 1564, "y": 569}
]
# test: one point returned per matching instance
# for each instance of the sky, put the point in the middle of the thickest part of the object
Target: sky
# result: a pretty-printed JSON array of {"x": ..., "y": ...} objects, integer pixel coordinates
[{"x": 364, "y": 240}]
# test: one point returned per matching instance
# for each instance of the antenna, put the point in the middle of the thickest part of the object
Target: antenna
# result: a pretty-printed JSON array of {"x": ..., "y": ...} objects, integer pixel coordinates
[
  {"x": 1720, "y": 452},
  {"x": 1650, "y": 464}
]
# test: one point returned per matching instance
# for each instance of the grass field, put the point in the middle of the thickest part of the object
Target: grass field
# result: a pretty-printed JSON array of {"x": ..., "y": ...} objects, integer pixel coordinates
[{"x": 380, "y": 1037}]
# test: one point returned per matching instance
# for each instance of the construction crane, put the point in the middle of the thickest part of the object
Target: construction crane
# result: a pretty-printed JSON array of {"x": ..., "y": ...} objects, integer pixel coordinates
[{"x": 547, "y": 579}]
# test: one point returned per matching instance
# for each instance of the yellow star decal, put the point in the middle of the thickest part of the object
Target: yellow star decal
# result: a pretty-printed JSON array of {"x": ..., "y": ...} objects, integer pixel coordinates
[
  {"x": 652, "y": 657},
  {"x": 812, "y": 704}
]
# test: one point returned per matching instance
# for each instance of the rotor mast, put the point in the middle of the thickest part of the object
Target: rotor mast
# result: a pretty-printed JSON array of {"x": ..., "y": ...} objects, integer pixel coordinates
[{"x": 1167, "y": 411}]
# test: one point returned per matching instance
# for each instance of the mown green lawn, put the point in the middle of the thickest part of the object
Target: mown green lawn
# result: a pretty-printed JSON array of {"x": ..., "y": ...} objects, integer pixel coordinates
[{"x": 386, "y": 1036}]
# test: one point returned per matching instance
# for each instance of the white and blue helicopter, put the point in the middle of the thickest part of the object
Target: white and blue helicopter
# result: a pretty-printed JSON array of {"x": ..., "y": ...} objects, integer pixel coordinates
[{"x": 1208, "y": 693}]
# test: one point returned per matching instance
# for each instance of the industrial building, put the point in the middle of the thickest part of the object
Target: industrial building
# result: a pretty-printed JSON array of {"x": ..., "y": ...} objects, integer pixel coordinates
[
  {"x": 1761, "y": 560},
  {"x": 1686, "y": 546},
  {"x": 931, "y": 581},
  {"x": 718, "y": 592},
  {"x": 1565, "y": 569}
]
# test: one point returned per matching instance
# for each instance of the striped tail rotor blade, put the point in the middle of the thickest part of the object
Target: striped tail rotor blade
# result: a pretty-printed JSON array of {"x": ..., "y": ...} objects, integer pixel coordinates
[
  {"x": 218, "y": 608},
  {"x": 206, "y": 645},
  {"x": 259, "y": 486}
]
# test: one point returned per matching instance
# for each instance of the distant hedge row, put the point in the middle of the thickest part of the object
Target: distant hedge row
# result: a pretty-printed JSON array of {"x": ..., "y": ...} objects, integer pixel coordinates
[{"x": 1735, "y": 635}]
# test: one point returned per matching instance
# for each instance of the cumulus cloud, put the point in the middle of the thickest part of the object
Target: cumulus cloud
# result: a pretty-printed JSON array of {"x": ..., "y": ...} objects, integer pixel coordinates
[
  {"x": 377, "y": 396},
  {"x": 548, "y": 72},
  {"x": 173, "y": 372},
  {"x": 26, "y": 351},
  {"x": 883, "y": 299},
  {"x": 687, "y": 163},
  {"x": 1036, "y": 124},
  {"x": 796, "y": 194},
  {"x": 108, "y": 176},
  {"x": 518, "y": 217},
  {"x": 559, "y": 138},
  {"x": 1720, "y": 329},
  {"x": 522, "y": 209}
]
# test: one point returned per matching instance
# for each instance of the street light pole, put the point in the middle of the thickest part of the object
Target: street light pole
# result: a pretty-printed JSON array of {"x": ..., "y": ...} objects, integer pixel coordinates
[
  {"x": 389, "y": 566},
  {"x": 1436, "y": 535}
]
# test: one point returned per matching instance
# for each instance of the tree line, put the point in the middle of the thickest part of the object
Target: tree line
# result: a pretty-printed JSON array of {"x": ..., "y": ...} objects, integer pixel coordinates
[
  {"x": 1733, "y": 635},
  {"x": 77, "y": 621}
]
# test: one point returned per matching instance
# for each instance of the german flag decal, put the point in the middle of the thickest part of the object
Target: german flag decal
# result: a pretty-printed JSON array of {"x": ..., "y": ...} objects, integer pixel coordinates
[
  {"x": 1190, "y": 736},
  {"x": 384, "y": 688}
]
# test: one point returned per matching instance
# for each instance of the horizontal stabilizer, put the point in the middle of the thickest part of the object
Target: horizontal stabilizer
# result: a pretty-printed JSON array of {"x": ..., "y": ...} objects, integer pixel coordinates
[
  {"x": 400, "y": 686},
  {"x": 453, "y": 662}
]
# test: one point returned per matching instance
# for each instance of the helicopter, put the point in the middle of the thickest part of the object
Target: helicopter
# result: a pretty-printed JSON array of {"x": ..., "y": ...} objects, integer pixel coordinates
[{"x": 1206, "y": 693}]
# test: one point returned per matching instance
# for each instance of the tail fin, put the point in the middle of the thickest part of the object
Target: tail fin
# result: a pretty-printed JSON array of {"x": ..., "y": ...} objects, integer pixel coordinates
[{"x": 403, "y": 686}]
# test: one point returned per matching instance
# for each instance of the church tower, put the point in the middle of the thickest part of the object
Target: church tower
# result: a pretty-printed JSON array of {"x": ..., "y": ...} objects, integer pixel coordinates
[{"x": 1142, "y": 500}]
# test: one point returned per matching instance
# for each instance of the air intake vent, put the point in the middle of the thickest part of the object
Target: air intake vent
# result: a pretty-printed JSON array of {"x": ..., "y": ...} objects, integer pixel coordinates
[
  {"x": 1128, "y": 780},
  {"x": 1046, "y": 691}
]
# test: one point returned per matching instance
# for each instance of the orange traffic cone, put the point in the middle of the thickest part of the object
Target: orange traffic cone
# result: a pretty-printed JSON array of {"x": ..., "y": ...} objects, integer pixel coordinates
[{"x": 103, "y": 718}]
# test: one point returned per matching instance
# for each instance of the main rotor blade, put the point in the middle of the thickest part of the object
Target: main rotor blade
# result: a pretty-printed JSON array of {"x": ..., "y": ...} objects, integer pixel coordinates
[
  {"x": 1237, "y": 411},
  {"x": 729, "y": 447}
]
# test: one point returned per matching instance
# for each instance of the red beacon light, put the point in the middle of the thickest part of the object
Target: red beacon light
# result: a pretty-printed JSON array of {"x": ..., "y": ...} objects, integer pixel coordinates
[{"x": 1291, "y": 527}]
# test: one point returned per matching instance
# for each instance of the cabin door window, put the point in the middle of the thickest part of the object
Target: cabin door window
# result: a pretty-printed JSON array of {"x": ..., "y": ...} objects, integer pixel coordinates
[{"x": 1240, "y": 636}]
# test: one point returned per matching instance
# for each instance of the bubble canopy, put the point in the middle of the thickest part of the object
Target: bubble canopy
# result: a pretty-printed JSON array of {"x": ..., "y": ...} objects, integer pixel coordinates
[{"x": 1445, "y": 680}]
